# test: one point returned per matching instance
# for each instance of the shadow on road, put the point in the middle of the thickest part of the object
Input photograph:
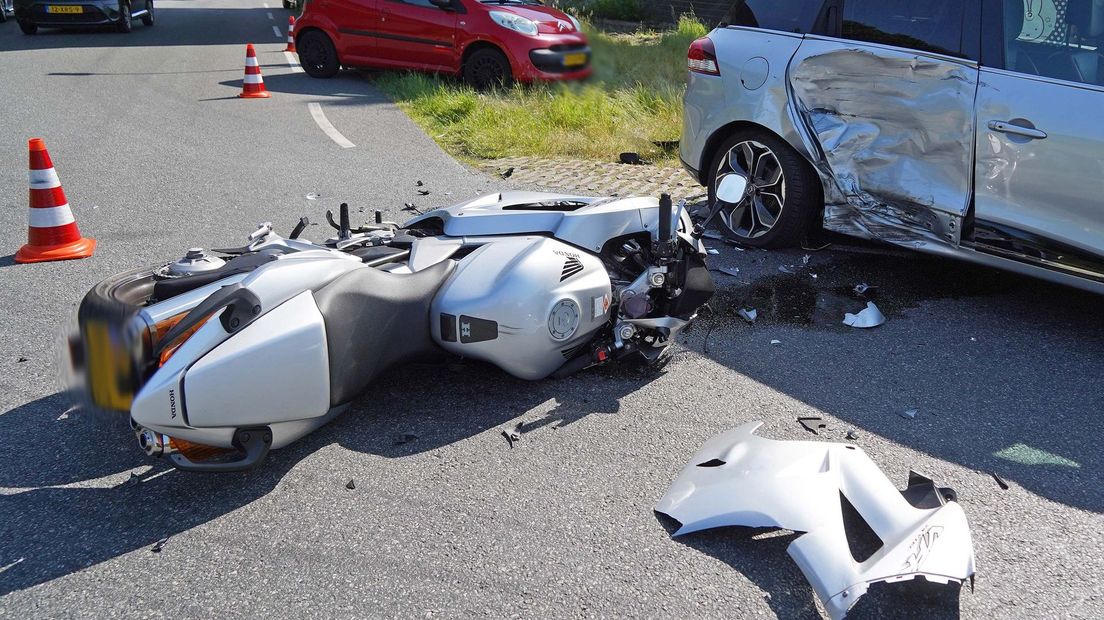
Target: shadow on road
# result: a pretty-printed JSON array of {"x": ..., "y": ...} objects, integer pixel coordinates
[
  {"x": 53, "y": 530},
  {"x": 1006, "y": 382}
]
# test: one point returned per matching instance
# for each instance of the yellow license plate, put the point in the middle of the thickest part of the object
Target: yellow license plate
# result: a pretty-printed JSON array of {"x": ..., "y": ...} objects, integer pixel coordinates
[
  {"x": 110, "y": 376},
  {"x": 574, "y": 60},
  {"x": 64, "y": 9}
]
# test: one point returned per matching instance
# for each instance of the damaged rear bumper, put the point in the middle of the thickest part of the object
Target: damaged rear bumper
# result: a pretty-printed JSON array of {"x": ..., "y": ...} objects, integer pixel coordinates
[{"x": 738, "y": 478}]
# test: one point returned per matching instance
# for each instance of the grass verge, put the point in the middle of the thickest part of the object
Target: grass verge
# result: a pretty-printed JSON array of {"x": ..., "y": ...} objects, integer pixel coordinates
[{"x": 633, "y": 101}]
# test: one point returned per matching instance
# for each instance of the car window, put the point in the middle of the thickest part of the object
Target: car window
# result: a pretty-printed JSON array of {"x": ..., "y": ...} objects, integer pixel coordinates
[
  {"x": 425, "y": 3},
  {"x": 785, "y": 15},
  {"x": 930, "y": 26},
  {"x": 1055, "y": 38}
]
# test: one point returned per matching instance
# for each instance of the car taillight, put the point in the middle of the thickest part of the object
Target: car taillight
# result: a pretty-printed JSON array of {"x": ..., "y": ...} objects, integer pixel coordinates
[{"x": 702, "y": 57}]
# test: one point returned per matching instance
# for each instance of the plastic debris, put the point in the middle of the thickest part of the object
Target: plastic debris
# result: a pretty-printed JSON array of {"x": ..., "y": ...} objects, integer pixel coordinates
[
  {"x": 507, "y": 173},
  {"x": 909, "y": 413},
  {"x": 632, "y": 159},
  {"x": 851, "y": 434},
  {"x": 21, "y": 360},
  {"x": 423, "y": 192},
  {"x": 813, "y": 276},
  {"x": 728, "y": 271},
  {"x": 351, "y": 484},
  {"x": 514, "y": 435},
  {"x": 776, "y": 342},
  {"x": 748, "y": 314},
  {"x": 1001, "y": 483},
  {"x": 405, "y": 438},
  {"x": 313, "y": 196},
  {"x": 805, "y": 259},
  {"x": 712, "y": 251},
  {"x": 419, "y": 183},
  {"x": 811, "y": 424},
  {"x": 862, "y": 289},
  {"x": 869, "y": 317},
  {"x": 159, "y": 545},
  {"x": 785, "y": 269}
]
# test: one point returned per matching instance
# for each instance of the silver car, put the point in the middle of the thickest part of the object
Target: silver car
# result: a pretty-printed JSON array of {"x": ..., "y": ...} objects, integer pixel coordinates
[{"x": 967, "y": 128}]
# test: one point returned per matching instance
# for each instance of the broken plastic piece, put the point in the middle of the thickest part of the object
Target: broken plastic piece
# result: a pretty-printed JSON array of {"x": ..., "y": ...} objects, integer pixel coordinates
[
  {"x": 748, "y": 314},
  {"x": 785, "y": 269},
  {"x": 728, "y": 271},
  {"x": 909, "y": 413},
  {"x": 350, "y": 484},
  {"x": 806, "y": 486},
  {"x": 1001, "y": 483},
  {"x": 851, "y": 434},
  {"x": 862, "y": 289},
  {"x": 159, "y": 545},
  {"x": 514, "y": 435},
  {"x": 776, "y": 342},
  {"x": 812, "y": 424},
  {"x": 712, "y": 251},
  {"x": 869, "y": 317},
  {"x": 313, "y": 196},
  {"x": 805, "y": 259}
]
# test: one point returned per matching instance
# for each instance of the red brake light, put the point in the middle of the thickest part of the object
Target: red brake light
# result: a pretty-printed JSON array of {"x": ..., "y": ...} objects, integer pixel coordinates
[{"x": 702, "y": 57}]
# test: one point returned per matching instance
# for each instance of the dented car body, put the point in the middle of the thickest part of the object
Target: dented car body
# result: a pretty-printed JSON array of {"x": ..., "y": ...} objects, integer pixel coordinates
[
  {"x": 966, "y": 128},
  {"x": 825, "y": 491}
]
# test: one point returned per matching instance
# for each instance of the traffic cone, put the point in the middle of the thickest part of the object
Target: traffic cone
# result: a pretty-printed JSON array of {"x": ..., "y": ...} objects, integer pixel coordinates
[
  {"x": 52, "y": 232},
  {"x": 291, "y": 36},
  {"x": 253, "y": 87}
]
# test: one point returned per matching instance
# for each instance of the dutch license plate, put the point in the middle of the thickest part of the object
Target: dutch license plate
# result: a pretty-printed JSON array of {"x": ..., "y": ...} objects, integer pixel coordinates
[
  {"x": 110, "y": 374},
  {"x": 574, "y": 60},
  {"x": 64, "y": 8}
]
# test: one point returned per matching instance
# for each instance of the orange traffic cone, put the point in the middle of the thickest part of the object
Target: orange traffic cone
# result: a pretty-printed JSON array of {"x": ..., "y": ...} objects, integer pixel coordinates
[
  {"x": 52, "y": 232},
  {"x": 291, "y": 36},
  {"x": 253, "y": 87}
]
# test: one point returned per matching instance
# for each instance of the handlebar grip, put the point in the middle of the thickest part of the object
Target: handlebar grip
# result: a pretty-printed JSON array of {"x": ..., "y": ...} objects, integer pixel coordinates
[{"x": 665, "y": 212}]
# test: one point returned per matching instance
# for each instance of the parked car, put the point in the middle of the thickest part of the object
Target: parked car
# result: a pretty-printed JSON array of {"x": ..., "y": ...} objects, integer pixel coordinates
[
  {"x": 6, "y": 9},
  {"x": 63, "y": 13},
  {"x": 966, "y": 128},
  {"x": 486, "y": 41}
]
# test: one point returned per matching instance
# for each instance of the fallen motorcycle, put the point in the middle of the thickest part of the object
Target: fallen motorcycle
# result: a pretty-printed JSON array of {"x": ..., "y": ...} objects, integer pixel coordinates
[{"x": 220, "y": 356}]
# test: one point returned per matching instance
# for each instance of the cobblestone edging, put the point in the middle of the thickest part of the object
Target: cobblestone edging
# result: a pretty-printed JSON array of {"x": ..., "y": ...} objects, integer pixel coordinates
[{"x": 594, "y": 177}]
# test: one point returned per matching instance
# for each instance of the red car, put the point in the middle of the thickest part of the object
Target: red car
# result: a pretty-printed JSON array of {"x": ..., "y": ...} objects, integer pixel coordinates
[{"x": 486, "y": 41}]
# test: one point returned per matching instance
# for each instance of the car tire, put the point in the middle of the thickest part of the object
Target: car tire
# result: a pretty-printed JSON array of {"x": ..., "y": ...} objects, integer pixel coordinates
[
  {"x": 147, "y": 19},
  {"x": 787, "y": 195},
  {"x": 28, "y": 27},
  {"x": 487, "y": 68},
  {"x": 125, "y": 23},
  {"x": 3, "y": 13},
  {"x": 317, "y": 54}
]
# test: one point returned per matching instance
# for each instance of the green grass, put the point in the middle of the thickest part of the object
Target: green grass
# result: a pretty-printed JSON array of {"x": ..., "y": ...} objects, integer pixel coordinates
[{"x": 633, "y": 100}]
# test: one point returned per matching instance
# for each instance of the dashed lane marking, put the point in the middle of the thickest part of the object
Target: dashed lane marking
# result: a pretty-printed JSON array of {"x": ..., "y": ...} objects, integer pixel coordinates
[
  {"x": 270, "y": 15},
  {"x": 277, "y": 32},
  {"x": 293, "y": 62},
  {"x": 327, "y": 128}
]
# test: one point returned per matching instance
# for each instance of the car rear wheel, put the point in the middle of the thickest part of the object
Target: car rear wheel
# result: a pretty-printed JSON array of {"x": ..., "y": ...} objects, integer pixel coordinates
[
  {"x": 317, "y": 54},
  {"x": 487, "y": 68},
  {"x": 786, "y": 194},
  {"x": 147, "y": 19},
  {"x": 126, "y": 23},
  {"x": 28, "y": 27}
]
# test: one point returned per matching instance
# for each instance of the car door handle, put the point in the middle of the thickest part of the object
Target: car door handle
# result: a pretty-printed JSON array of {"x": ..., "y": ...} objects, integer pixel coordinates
[{"x": 1017, "y": 130}]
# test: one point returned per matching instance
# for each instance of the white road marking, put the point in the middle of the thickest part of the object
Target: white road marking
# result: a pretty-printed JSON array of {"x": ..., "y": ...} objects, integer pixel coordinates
[
  {"x": 276, "y": 31},
  {"x": 270, "y": 16},
  {"x": 327, "y": 128},
  {"x": 293, "y": 62}
]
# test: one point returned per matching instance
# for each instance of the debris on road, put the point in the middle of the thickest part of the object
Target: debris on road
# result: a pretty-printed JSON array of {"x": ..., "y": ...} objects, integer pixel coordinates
[
  {"x": 313, "y": 196},
  {"x": 785, "y": 269},
  {"x": 776, "y": 342},
  {"x": 862, "y": 289},
  {"x": 409, "y": 206},
  {"x": 419, "y": 183},
  {"x": 748, "y": 314},
  {"x": 1001, "y": 483},
  {"x": 908, "y": 413},
  {"x": 851, "y": 434},
  {"x": 514, "y": 435},
  {"x": 423, "y": 192},
  {"x": 351, "y": 484},
  {"x": 129, "y": 482},
  {"x": 728, "y": 271},
  {"x": 507, "y": 173},
  {"x": 159, "y": 545},
  {"x": 632, "y": 159},
  {"x": 869, "y": 317},
  {"x": 405, "y": 438},
  {"x": 21, "y": 360},
  {"x": 740, "y": 479},
  {"x": 811, "y": 424},
  {"x": 805, "y": 259},
  {"x": 712, "y": 251}
]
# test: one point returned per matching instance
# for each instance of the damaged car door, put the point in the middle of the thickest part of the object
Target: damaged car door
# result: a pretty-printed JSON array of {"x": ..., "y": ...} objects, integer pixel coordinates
[
  {"x": 888, "y": 112},
  {"x": 1039, "y": 187}
]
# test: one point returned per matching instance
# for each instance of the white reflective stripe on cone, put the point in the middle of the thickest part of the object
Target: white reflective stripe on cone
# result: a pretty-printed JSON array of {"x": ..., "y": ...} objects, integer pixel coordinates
[
  {"x": 50, "y": 217},
  {"x": 253, "y": 79},
  {"x": 44, "y": 179},
  {"x": 251, "y": 61}
]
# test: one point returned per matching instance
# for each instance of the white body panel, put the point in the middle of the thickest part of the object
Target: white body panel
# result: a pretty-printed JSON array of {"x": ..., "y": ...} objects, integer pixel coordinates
[{"x": 277, "y": 365}]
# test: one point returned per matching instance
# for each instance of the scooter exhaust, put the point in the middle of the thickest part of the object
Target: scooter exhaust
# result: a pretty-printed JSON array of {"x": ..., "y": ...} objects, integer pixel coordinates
[{"x": 154, "y": 444}]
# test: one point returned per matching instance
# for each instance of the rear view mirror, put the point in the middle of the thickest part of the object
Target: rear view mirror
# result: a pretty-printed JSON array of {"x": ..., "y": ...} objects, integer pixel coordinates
[{"x": 732, "y": 188}]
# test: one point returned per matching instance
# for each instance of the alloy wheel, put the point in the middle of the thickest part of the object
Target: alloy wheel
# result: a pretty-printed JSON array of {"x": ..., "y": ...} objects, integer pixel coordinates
[{"x": 756, "y": 216}]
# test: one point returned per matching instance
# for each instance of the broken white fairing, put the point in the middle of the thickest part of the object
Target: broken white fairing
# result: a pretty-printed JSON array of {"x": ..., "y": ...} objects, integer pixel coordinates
[{"x": 738, "y": 478}]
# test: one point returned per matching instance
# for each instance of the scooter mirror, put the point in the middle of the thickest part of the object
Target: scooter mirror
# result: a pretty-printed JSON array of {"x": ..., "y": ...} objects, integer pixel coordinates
[{"x": 732, "y": 188}]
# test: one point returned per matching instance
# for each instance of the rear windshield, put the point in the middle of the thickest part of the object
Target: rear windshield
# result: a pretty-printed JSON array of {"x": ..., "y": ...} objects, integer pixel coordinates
[{"x": 785, "y": 15}]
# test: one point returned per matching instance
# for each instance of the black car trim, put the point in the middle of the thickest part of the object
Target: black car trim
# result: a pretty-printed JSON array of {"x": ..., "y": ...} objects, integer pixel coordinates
[
  {"x": 394, "y": 37},
  {"x": 1026, "y": 247}
]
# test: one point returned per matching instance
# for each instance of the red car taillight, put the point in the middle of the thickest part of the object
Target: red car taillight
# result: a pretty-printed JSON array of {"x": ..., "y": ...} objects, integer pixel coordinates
[{"x": 702, "y": 57}]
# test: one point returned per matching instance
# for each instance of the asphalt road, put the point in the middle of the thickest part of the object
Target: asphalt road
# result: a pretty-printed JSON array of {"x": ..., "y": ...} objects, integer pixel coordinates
[{"x": 156, "y": 155}]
